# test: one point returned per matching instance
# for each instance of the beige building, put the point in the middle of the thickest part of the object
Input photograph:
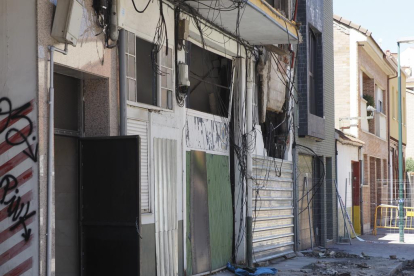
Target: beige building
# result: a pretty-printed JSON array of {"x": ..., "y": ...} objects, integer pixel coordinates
[
  {"x": 407, "y": 60},
  {"x": 393, "y": 128},
  {"x": 362, "y": 72},
  {"x": 410, "y": 124}
]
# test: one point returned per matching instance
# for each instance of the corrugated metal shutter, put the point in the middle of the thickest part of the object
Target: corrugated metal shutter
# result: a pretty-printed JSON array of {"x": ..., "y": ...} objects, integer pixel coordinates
[
  {"x": 273, "y": 229},
  {"x": 135, "y": 127},
  {"x": 166, "y": 221}
]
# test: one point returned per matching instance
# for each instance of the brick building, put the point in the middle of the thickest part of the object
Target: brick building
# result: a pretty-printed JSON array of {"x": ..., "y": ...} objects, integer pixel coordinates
[{"x": 362, "y": 73}]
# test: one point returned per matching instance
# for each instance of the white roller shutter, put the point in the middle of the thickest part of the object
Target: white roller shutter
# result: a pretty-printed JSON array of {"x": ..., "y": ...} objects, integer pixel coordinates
[
  {"x": 135, "y": 127},
  {"x": 273, "y": 223}
]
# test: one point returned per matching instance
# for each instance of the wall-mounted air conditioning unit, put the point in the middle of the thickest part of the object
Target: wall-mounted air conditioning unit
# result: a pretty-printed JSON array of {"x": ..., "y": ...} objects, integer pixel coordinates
[{"x": 67, "y": 21}]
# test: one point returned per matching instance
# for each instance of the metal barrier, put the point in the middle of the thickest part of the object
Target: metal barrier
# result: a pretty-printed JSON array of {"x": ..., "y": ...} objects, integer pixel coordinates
[{"x": 389, "y": 218}]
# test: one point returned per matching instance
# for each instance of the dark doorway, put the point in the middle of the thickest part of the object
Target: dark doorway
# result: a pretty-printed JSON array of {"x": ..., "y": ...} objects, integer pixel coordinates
[
  {"x": 330, "y": 199},
  {"x": 68, "y": 128},
  {"x": 318, "y": 195},
  {"x": 356, "y": 208},
  {"x": 109, "y": 206}
]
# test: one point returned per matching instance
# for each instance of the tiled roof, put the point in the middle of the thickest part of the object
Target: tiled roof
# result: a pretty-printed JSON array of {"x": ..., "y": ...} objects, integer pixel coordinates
[
  {"x": 348, "y": 139},
  {"x": 353, "y": 25}
]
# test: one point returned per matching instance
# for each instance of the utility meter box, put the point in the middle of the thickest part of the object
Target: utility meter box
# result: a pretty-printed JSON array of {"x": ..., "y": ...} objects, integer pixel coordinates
[{"x": 67, "y": 21}]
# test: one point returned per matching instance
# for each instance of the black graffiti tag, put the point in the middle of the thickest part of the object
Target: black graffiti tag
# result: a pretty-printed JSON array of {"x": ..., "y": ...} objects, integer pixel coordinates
[
  {"x": 16, "y": 209},
  {"x": 15, "y": 137}
]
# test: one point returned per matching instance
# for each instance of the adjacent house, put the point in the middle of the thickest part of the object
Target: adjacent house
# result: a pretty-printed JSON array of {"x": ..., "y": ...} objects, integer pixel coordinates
[
  {"x": 407, "y": 61},
  {"x": 393, "y": 119},
  {"x": 362, "y": 74}
]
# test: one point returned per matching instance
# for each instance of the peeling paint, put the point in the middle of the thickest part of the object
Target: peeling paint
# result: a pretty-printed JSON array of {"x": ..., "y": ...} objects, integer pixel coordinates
[{"x": 207, "y": 134}]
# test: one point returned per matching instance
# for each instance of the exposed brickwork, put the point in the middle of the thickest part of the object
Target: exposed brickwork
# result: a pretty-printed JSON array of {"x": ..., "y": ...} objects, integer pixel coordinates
[
  {"x": 378, "y": 169},
  {"x": 368, "y": 85},
  {"x": 376, "y": 77},
  {"x": 385, "y": 182},
  {"x": 374, "y": 145},
  {"x": 366, "y": 208},
  {"x": 366, "y": 195},
  {"x": 372, "y": 188},
  {"x": 374, "y": 71}
]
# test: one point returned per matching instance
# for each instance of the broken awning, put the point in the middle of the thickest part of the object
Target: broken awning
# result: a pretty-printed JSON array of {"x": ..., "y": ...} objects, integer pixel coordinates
[{"x": 260, "y": 24}]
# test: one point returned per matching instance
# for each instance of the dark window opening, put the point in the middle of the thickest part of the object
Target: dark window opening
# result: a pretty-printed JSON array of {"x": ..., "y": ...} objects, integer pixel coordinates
[
  {"x": 282, "y": 6},
  {"x": 275, "y": 132},
  {"x": 210, "y": 81},
  {"x": 67, "y": 102},
  {"x": 146, "y": 77},
  {"x": 315, "y": 74}
]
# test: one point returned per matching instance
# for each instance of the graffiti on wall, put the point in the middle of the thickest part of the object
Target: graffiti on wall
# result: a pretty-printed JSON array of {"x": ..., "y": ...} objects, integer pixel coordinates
[
  {"x": 207, "y": 134},
  {"x": 18, "y": 130}
]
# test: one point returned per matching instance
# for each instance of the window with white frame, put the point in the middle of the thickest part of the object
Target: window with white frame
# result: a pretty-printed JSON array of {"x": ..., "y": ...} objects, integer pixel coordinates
[
  {"x": 392, "y": 102},
  {"x": 150, "y": 79},
  {"x": 403, "y": 111},
  {"x": 380, "y": 100},
  {"x": 395, "y": 106}
]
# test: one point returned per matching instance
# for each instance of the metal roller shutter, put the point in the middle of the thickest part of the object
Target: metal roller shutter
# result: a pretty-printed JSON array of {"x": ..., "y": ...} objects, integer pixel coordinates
[
  {"x": 135, "y": 127},
  {"x": 273, "y": 228}
]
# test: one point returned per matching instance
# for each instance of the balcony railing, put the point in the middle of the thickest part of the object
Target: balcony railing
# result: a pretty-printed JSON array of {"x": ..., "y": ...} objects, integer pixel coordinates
[{"x": 377, "y": 125}]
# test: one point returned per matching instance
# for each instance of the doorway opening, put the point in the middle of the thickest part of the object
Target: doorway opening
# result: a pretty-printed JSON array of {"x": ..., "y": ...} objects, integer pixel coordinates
[{"x": 68, "y": 129}]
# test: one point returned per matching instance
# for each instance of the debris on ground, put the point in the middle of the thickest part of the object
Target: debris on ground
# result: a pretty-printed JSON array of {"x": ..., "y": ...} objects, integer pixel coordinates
[
  {"x": 327, "y": 253},
  {"x": 406, "y": 270},
  {"x": 337, "y": 263},
  {"x": 363, "y": 265}
]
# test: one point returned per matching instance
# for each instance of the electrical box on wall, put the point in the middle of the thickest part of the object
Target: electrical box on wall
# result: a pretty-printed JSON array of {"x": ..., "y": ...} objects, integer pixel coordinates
[
  {"x": 67, "y": 21},
  {"x": 183, "y": 75}
]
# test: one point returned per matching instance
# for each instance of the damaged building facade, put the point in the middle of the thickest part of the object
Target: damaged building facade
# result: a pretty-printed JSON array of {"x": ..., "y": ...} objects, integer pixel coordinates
[{"x": 163, "y": 137}]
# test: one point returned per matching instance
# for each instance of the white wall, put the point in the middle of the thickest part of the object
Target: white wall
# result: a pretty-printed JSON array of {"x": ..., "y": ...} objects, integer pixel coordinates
[
  {"x": 346, "y": 154},
  {"x": 18, "y": 78}
]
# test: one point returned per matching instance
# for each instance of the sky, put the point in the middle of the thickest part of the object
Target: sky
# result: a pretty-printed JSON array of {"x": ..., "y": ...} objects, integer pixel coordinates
[{"x": 388, "y": 20}]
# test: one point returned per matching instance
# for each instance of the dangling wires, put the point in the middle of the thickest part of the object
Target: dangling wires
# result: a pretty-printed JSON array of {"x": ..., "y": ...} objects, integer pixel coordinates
[
  {"x": 160, "y": 37},
  {"x": 141, "y": 11}
]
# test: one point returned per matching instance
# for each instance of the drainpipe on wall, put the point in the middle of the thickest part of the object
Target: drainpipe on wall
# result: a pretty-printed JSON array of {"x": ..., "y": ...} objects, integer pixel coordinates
[
  {"x": 249, "y": 161},
  {"x": 122, "y": 83},
  {"x": 336, "y": 180},
  {"x": 389, "y": 136},
  {"x": 50, "y": 155}
]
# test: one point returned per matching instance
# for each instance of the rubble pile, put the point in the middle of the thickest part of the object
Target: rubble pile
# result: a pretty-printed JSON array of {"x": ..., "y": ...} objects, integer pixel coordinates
[
  {"x": 407, "y": 269},
  {"x": 327, "y": 253}
]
